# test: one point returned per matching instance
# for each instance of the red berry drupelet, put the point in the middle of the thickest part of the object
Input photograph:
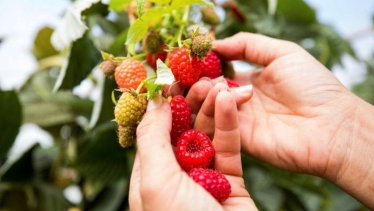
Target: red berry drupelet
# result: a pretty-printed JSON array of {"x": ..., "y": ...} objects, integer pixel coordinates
[
  {"x": 194, "y": 150},
  {"x": 212, "y": 181},
  {"x": 210, "y": 66},
  {"x": 180, "y": 65},
  {"x": 181, "y": 117}
]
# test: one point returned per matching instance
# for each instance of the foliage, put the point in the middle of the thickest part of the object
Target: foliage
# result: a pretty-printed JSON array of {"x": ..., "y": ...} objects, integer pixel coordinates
[{"x": 85, "y": 152}]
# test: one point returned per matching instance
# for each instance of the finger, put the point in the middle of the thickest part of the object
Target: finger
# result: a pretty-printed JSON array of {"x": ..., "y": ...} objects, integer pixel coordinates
[
  {"x": 226, "y": 139},
  {"x": 205, "y": 118},
  {"x": 197, "y": 94},
  {"x": 242, "y": 94},
  {"x": 153, "y": 138},
  {"x": 247, "y": 77},
  {"x": 254, "y": 48},
  {"x": 135, "y": 200}
]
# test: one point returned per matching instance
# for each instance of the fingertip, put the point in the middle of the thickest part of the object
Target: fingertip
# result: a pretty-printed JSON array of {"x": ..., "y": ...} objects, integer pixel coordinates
[{"x": 242, "y": 94}]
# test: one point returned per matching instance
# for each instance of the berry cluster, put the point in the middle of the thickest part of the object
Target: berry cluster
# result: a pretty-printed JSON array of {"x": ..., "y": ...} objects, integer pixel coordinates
[
  {"x": 183, "y": 64},
  {"x": 194, "y": 151}
]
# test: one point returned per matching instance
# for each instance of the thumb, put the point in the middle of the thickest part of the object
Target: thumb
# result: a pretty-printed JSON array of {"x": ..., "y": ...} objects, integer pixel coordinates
[{"x": 153, "y": 136}]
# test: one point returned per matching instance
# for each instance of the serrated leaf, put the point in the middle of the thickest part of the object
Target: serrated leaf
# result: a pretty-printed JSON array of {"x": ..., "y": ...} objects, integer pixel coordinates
[
  {"x": 140, "y": 6},
  {"x": 164, "y": 74},
  {"x": 10, "y": 120},
  {"x": 71, "y": 26},
  {"x": 140, "y": 27},
  {"x": 118, "y": 5},
  {"x": 82, "y": 59},
  {"x": 182, "y": 3}
]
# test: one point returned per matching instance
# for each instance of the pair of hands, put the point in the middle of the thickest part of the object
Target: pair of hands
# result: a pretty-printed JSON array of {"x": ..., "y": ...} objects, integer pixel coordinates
[{"x": 293, "y": 114}]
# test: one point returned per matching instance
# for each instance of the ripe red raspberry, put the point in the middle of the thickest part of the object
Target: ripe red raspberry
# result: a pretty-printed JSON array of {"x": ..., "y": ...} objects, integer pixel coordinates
[
  {"x": 194, "y": 150},
  {"x": 180, "y": 65},
  {"x": 130, "y": 73},
  {"x": 210, "y": 66},
  {"x": 231, "y": 83},
  {"x": 152, "y": 58},
  {"x": 213, "y": 181},
  {"x": 181, "y": 117}
]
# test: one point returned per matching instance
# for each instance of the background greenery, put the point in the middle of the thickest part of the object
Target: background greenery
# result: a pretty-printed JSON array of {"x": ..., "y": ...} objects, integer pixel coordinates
[{"x": 85, "y": 151}]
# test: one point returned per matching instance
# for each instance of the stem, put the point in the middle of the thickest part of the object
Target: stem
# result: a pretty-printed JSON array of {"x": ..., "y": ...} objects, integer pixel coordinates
[{"x": 142, "y": 83}]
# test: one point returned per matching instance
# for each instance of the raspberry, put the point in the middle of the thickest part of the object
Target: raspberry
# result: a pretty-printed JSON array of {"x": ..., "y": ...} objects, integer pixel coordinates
[
  {"x": 209, "y": 16},
  {"x": 210, "y": 66},
  {"x": 213, "y": 181},
  {"x": 152, "y": 42},
  {"x": 201, "y": 45},
  {"x": 126, "y": 136},
  {"x": 180, "y": 65},
  {"x": 194, "y": 150},
  {"x": 152, "y": 58},
  {"x": 181, "y": 117},
  {"x": 130, "y": 73},
  {"x": 108, "y": 67},
  {"x": 129, "y": 109},
  {"x": 231, "y": 83}
]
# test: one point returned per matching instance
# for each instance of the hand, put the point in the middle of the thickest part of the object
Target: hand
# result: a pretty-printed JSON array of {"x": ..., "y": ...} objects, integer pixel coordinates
[
  {"x": 300, "y": 117},
  {"x": 158, "y": 182}
]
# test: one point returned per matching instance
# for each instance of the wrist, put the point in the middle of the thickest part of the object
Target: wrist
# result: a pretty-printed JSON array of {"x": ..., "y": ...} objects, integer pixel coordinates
[{"x": 354, "y": 144}]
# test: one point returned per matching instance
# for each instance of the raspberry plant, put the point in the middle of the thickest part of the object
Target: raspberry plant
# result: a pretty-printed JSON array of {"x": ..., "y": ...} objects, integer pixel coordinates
[{"x": 85, "y": 153}]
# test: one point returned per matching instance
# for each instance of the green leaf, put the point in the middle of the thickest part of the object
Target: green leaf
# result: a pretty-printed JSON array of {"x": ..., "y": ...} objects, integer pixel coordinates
[
  {"x": 140, "y": 6},
  {"x": 182, "y": 3},
  {"x": 152, "y": 88},
  {"x": 164, "y": 74},
  {"x": 118, "y": 5},
  {"x": 296, "y": 10},
  {"x": 42, "y": 45},
  {"x": 137, "y": 31},
  {"x": 101, "y": 158},
  {"x": 10, "y": 120},
  {"x": 84, "y": 56},
  {"x": 51, "y": 197},
  {"x": 20, "y": 170},
  {"x": 160, "y": 1},
  {"x": 140, "y": 27}
]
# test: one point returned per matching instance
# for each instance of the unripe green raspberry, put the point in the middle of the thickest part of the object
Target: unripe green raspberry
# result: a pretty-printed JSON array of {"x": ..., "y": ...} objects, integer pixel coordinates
[
  {"x": 201, "y": 45},
  {"x": 130, "y": 108},
  {"x": 152, "y": 42},
  {"x": 126, "y": 136},
  {"x": 209, "y": 16}
]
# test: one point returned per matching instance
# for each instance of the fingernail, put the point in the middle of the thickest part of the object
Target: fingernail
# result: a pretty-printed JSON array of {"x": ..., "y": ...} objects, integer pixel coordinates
[
  {"x": 243, "y": 89},
  {"x": 205, "y": 79},
  {"x": 219, "y": 79},
  {"x": 154, "y": 103}
]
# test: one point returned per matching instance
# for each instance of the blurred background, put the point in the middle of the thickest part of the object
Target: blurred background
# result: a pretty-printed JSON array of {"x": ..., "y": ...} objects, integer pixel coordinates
[{"x": 58, "y": 148}]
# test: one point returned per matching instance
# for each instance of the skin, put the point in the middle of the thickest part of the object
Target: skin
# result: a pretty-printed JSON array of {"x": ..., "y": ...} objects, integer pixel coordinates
[
  {"x": 299, "y": 118},
  {"x": 157, "y": 180}
]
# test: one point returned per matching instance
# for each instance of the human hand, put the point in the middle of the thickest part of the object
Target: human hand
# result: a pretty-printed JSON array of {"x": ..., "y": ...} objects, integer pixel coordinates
[
  {"x": 300, "y": 117},
  {"x": 157, "y": 180}
]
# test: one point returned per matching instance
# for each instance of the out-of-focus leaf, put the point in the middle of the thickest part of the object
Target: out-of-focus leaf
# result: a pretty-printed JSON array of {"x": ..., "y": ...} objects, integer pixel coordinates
[
  {"x": 118, "y": 5},
  {"x": 47, "y": 114},
  {"x": 21, "y": 170},
  {"x": 365, "y": 89},
  {"x": 296, "y": 10},
  {"x": 71, "y": 27},
  {"x": 107, "y": 107},
  {"x": 96, "y": 8},
  {"x": 51, "y": 198},
  {"x": 118, "y": 46},
  {"x": 10, "y": 120},
  {"x": 160, "y": 1},
  {"x": 100, "y": 156},
  {"x": 15, "y": 199},
  {"x": 82, "y": 59},
  {"x": 42, "y": 45},
  {"x": 182, "y": 3},
  {"x": 111, "y": 197}
]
